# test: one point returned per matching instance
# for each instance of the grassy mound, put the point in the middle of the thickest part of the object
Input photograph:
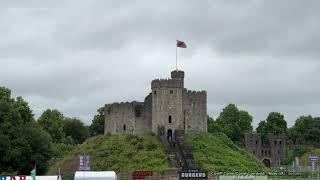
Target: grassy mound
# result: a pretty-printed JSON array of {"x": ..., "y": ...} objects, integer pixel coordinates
[
  {"x": 127, "y": 153},
  {"x": 120, "y": 153},
  {"x": 217, "y": 153}
]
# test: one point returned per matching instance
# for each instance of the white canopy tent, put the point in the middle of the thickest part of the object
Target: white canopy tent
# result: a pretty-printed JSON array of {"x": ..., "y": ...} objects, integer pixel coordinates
[{"x": 95, "y": 175}]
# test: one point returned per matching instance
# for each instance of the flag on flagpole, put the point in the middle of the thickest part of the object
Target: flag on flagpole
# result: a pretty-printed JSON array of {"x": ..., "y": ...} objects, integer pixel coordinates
[{"x": 181, "y": 44}]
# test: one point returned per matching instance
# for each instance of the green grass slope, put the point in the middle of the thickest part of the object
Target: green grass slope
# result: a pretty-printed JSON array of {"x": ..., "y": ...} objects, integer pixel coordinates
[
  {"x": 217, "y": 153},
  {"x": 127, "y": 153},
  {"x": 120, "y": 153}
]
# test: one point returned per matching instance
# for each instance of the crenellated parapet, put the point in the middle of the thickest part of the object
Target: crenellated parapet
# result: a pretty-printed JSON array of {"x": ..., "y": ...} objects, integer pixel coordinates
[
  {"x": 195, "y": 94},
  {"x": 166, "y": 83},
  {"x": 177, "y": 74},
  {"x": 117, "y": 104}
]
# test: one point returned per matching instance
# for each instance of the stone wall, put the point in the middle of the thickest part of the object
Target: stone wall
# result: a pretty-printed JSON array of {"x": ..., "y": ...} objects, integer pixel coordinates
[
  {"x": 273, "y": 149},
  {"x": 254, "y": 144},
  {"x": 195, "y": 110},
  {"x": 278, "y": 148},
  {"x": 144, "y": 123},
  {"x": 121, "y": 117},
  {"x": 166, "y": 104}
]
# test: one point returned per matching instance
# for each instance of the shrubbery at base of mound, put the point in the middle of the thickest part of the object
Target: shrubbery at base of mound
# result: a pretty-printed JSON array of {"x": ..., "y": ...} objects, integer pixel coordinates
[
  {"x": 304, "y": 159},
  {"x": 120, "y": 153},
  {"x": 217, "y": 153}
]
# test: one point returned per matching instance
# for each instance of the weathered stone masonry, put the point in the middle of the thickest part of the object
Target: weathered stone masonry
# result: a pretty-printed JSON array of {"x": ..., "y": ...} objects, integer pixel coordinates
[
  {"x": 271, "y": 151},
  {"x": 169, "y": 105}
]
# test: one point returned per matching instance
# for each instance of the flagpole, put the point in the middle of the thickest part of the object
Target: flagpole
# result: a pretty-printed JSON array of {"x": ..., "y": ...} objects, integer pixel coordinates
[{"x": 176, "y": 55}]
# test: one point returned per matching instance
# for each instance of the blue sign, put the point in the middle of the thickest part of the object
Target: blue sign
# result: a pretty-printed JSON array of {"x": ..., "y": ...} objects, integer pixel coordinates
[{"x": 313, "y": 158}]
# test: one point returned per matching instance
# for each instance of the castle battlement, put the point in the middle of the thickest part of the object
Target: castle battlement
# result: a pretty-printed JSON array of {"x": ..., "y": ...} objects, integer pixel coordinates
[
  {"x": 167, "y": 83},
  {"x": 117, "y": 104},
  {"x": 177, "y": 74},
  {"x": 197, "y": 94}
]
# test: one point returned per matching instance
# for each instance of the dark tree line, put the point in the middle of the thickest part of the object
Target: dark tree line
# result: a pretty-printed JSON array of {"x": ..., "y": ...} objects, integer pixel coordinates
[
  {"x": 26, "y": 142},
  {"x": 235, "y": 123},
  {"x": 23, "y": 143}
]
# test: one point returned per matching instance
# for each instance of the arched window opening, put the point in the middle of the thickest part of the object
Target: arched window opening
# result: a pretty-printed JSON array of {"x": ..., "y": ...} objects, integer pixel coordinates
[
  {"x": 124, "y": 127},
  {"x": 170, "y": 119}
]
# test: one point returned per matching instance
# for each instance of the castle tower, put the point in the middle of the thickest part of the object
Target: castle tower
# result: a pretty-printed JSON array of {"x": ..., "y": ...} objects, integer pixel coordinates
[{"x": 167, "y": 105}]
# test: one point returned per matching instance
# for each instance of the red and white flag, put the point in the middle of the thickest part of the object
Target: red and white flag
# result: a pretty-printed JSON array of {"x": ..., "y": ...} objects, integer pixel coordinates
[{"x": 181, "y": 44}]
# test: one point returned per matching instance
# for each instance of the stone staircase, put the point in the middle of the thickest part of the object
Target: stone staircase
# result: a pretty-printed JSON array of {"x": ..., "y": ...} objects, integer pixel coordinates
[{"x": 180, "y": 154}]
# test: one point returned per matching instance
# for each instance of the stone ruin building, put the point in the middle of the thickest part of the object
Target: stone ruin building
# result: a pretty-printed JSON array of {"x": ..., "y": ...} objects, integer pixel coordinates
[
  {"x": 169, "y": 106},
  {"x": 270, "y": 151}
]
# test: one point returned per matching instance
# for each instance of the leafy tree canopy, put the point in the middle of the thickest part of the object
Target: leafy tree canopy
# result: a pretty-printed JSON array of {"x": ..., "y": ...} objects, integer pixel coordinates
[
  {"x": 76, "y": 130},
  {"x": 233, "y": 122},
  {"x": 52, "y": 122},
  {"x": 97, "y": 125},
  {"x": 22, "y": 142},
  {"x": 306, "y": 130},
  {"x": 275, "y": 123}
]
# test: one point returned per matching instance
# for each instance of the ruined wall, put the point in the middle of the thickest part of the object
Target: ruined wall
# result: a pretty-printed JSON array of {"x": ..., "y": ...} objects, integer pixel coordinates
[
  {"x": 128, "y": 118},
  {"x": 254, "y": 144},
  {"x": 120, "y": 118},
  {"x": 144, "y": 122},
  {"x": 278, "y": 146},
  {"x": 273, "y": 149},
  {"x": 195, "y": 111}
]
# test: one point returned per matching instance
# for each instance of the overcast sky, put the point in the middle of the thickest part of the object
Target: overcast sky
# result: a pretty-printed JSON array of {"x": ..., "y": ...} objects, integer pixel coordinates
[{"x": 76, "y": 56}]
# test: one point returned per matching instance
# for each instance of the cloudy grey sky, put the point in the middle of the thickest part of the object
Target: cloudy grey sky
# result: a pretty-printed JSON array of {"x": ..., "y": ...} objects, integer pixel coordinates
[{"x": 76, "y": 56}]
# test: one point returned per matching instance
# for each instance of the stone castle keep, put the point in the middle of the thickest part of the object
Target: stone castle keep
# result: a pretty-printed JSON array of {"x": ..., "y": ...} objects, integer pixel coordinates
[{"x": 168, "y": 106}]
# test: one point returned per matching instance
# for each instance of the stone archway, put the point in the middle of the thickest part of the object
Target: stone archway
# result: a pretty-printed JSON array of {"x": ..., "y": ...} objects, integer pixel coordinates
[
  {"x": 266, "y": 162},
  {"x": 169, "y": 135}
]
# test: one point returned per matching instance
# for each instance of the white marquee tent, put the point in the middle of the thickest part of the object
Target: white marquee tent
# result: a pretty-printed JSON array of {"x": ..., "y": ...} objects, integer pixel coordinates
[{"x": 95, "y": 175}]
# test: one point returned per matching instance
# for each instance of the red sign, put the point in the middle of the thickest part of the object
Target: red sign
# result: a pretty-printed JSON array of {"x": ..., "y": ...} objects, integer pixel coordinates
[{"x": 141, "y": 174}]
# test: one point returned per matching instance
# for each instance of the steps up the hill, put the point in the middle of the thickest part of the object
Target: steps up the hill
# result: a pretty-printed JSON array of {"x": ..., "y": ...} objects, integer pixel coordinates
[{"x": 180, "y": 154}]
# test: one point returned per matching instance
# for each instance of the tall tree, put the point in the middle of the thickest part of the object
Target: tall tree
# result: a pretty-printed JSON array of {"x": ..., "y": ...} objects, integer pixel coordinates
[
  {"x": 306, "y": 130},
  {"x": 22, "y": 143},
  {"x": 76, "y": 130},
  {"x": 52, "y": 122},
  {"x": 234, "y": 123},
  {"x": 275, "y": 123},
  {"x": 97, "y": 125},
  {"x": 245, "y": 120}
]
